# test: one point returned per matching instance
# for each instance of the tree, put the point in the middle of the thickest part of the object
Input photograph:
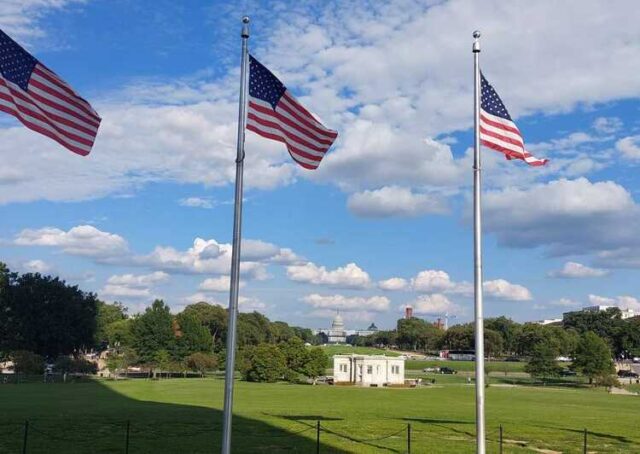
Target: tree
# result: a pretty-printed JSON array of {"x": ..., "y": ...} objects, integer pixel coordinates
[
  {"x": 214, "y": 317},
  {"x": 119, "y": 333},
  {"x": 253, "y": 329},
  {"x": 542, "y": 363},
  {"x": 508, "y": 330},
  {"x": 201, "y": 362},
  {"x": 417, "y": 334},
  {"x": 593, "y": 357},
  {"x": 153, "y": 331},
  {"x": 191, "y": 336},
  {"x": 26, "y": 362},
  {"x": 316, "y": 363},
  {"x": 107, "y": 315},
  {"x": 280, "y": 332},
  {"x": 459, "y": 337},
  {"x": 67, "y": 364},
  {"x": 623, "y": 336},
  {"x": 264, "y": 363},
  {"x": 162, "y": 359},
  {"x": 44, "y": 315}
]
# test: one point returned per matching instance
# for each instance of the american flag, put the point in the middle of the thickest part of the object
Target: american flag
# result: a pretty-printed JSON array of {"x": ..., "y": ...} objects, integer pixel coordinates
[
  {"x": 275, "y": 114},
  {"x": 42, "y": 101},
  {"x": 497, "y": 129}
]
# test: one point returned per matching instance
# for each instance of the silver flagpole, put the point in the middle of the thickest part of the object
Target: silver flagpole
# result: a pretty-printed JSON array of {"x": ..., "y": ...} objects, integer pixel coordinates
[
  {"x": 477, "y": 252},
  {"x": 235, "y": 255}
]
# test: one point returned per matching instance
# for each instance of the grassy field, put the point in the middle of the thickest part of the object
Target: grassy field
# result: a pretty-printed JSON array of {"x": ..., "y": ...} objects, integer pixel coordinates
[
  {"x": 467, "y": 366},
  {"x": 183, "y": 415}
]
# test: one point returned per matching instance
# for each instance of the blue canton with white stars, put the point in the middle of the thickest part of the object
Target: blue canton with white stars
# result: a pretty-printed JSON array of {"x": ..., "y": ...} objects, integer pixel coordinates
[
  {"x": 16, "y": 64},
  {"x": 491, "y": 102},
  {"x": 263, "y": 84}
]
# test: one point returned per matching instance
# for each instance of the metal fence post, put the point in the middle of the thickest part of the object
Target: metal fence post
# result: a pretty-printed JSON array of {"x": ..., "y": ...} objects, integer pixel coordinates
[
  {"x": 500, "y": 438},
  {"x": 318, "y": 437},
  {"x": 126, "y": 438},
  {"x": 409, "y": 438},
  {"x": 26, "y": 434},
  {"x": 585, "y": 442}
]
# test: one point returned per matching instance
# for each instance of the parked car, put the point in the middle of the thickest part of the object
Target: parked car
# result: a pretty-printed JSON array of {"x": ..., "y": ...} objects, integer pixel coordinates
[
  {"x": 431, "y": 369},
  {"x": 448, "y": 371},
  {"x": 627, "y": 374},
  {"x": 563, "y": 359},
  {"x": 636, "y": 359},
  {"x": 567, "y": 373}
]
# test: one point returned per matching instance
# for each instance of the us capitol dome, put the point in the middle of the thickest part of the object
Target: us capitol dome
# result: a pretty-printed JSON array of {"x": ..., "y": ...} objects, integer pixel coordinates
[{"x": 337, "y": 334}]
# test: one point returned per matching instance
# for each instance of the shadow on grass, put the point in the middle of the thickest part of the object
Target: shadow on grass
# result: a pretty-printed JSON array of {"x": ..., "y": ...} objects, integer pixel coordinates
[
  {"x": 311, "y": 421},
  {"x": 92, "y": 418},
  {"x": 580, "y": 433},
  {"x": 443, "y": 424}
]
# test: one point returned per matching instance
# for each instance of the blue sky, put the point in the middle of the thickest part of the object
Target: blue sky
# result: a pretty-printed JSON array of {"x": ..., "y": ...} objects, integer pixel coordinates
[{"x": 385, "y": 221}]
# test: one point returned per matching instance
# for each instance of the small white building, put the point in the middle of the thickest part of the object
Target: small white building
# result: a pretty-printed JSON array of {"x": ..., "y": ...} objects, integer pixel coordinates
[{"x": 368, "y": 370}]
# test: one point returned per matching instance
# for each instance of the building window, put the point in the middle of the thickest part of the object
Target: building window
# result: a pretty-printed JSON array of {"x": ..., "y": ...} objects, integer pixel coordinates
[
  {"x": 395, "y": 369},
  {"x": 369, "y": 370}
]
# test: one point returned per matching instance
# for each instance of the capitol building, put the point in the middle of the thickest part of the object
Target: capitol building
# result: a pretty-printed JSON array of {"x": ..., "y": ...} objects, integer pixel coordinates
[{"x": 337, "y": 334}]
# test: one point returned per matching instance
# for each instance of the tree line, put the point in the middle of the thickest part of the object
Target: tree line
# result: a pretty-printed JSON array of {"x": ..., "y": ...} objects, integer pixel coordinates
[{"x": 43, "y": 319}]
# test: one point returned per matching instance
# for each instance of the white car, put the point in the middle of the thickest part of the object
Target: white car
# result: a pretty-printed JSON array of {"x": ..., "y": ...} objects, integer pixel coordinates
[{"x": 636, "y": 359}]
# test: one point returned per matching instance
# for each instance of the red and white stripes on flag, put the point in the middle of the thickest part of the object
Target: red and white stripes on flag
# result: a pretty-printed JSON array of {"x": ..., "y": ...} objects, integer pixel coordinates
[
  {"x": 497, "y": 129},
  {"x": 306, "y": 139},
  {"x": 503, "y": 136},
  {"x": 51, "y": 107},
  {"x": 275, "y": 114}
]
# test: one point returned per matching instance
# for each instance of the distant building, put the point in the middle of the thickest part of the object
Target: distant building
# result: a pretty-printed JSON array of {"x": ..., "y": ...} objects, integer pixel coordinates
[
  {"x": 548, "y": 321},
  {"x": 458, "y": 355},
  {"x": 624, "y": 313},
  {"x": 408, "y": 312},
  {"x": 337, "y": 334},
  {"x": 368, "y": 370}
]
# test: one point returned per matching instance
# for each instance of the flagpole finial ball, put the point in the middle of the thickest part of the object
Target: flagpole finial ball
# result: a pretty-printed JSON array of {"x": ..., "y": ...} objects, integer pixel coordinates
[
  {"x": 476, "y": 34},
  {"x": 245, "y": 19}
]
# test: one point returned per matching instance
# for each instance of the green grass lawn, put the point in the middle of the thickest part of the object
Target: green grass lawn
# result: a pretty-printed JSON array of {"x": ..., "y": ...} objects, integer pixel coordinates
[
  {"x": 183, "y": 416},
  {"x": 467, "y": 366}
]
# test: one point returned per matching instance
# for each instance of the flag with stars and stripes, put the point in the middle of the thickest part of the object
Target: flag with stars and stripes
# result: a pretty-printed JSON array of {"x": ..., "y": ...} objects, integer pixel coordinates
[
  {"x": 275, "y": 114},
  {"x": 42, "y": 101},
  {"x": 497, "y": 129}
]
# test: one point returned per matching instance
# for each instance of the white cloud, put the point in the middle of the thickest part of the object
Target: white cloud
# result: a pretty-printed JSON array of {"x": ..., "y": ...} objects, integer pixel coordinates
[
  {"x": 438, "y": 281},
  {"x": 348, "y": 276},
  {"x": 394, "y": 283},
  {"x": 132, "y": 286},
  {"x": 197, "y": 202},
  {"x": 36, "y": 266},
  {"x": 578, "y": 270},
  {"x": 358, "y": 303},
  {"x": 209, "y": 256},
  {"x": 249, "y": 304},
  {"x": 607, "y": 125},
  {"x": 623, "y": 302},
  {"x": 502, "y": 289},
  {"x": 217, "y": 284},
  {"x": 432, "y": 281},
  {"x": 84, "y": 240},
  {"x": 366, "y": 70},
  {"x": 569, "y": 216},
  {"x": 140, "y": 280},
  {"x": 629, "y": 147},
  {"x": 435, "y": 304},
  {"x": 565, "y": 302},
  {"x": 395, "y": 201},
  {"x": 20, "y": 18}
]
